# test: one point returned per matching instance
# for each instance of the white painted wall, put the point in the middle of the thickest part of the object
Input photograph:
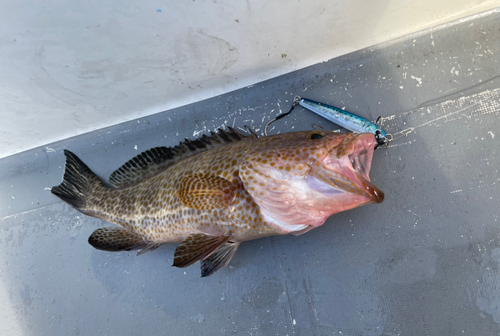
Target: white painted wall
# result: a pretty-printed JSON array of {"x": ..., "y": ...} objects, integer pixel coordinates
[{"x": 70, "y": 67}]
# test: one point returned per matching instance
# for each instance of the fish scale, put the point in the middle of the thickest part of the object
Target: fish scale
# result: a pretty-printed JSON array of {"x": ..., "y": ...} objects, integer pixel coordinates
[{"x": 213, "y": 193}]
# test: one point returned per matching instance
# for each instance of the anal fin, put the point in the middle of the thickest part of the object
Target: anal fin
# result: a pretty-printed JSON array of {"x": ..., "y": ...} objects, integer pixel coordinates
[
  {"x": 204, "y": 192},
  {"x": 197, "y": 247},
  {"x": 218, "y": 259},
  {"x": 115, "y": 239}
]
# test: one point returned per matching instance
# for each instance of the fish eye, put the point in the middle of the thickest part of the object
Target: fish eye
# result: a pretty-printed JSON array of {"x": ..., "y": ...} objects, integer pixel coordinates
[{"x": 315, "y": 135}]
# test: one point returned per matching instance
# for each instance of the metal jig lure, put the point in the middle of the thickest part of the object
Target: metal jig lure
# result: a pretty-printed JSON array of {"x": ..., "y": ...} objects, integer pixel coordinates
[
  {"x": 350, "y": 121},
  {"x": 340, "y": 117}
]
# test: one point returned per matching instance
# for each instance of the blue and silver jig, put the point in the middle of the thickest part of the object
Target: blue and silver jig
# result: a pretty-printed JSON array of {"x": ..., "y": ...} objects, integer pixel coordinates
[
  {"x": 350, "y": 121},
  {"x": 340, "y": 117}
]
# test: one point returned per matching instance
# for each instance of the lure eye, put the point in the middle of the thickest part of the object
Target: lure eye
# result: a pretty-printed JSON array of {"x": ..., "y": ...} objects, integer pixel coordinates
[{"x": 314, "y": 135}]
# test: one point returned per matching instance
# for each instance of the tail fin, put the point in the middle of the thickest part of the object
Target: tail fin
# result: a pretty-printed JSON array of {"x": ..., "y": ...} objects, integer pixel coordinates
[{"x": 77, "y": 182}]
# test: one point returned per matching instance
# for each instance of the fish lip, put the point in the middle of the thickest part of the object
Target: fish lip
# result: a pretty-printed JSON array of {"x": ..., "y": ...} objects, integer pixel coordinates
[{"x": 372, "y": 192}]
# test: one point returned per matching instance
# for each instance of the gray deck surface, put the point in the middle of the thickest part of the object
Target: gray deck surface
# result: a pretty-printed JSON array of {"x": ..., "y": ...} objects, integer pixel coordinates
[{"x": 424, "y": 262}]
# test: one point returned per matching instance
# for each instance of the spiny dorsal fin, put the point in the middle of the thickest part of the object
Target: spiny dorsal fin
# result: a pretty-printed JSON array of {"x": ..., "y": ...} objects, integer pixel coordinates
[
  {"x": 253, "y": 135},
  {"x": 197, "y": 247},
  {"x": 218, "y": 259},
  {"x": 158, "y": 159},
  {"x": 204, "y": 192}
]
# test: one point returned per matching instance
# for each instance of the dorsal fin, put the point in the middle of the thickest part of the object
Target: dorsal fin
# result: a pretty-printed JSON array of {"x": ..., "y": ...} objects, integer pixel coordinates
[{"x": 157, "y": 159}]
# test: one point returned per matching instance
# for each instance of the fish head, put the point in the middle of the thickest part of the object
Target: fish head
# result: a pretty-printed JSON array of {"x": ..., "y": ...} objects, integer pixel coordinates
[{"x": 300, "y": 179}]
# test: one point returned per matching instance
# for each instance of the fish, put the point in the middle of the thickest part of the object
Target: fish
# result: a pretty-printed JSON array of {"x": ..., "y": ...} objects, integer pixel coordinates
[
  {"x": 350, "y": 121},
  {"x": 210, "y": 194}
]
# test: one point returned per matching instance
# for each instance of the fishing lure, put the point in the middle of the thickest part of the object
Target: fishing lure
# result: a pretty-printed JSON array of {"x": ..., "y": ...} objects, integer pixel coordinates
[{"x": 350, "y": 121}]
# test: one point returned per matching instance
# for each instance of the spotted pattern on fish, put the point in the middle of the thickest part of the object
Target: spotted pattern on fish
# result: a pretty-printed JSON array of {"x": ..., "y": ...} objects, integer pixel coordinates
[
  {"x": 215, "y": 192},
  {"x": 346, "y": 146},
  {"x": 204, "y": 192}
]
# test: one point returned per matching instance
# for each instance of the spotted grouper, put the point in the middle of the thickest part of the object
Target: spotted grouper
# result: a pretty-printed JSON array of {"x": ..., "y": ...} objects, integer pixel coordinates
[{"x": 211, "y": 194}]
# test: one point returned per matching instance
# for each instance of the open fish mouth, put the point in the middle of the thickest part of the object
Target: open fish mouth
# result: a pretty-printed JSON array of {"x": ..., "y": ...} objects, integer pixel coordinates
[
  {"x": 362, "y": 154},
  {"x": 360, "y": 158},
  {"x": 350, "y": 162}
]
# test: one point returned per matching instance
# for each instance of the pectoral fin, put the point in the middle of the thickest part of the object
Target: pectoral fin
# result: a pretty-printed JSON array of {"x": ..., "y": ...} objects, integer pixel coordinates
[
  {"x": 218, "y": 259},
  {"x": 197, "y": 247},
  {"x": 204, "y": 192},
  {"x": 118, "y": 239}
]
